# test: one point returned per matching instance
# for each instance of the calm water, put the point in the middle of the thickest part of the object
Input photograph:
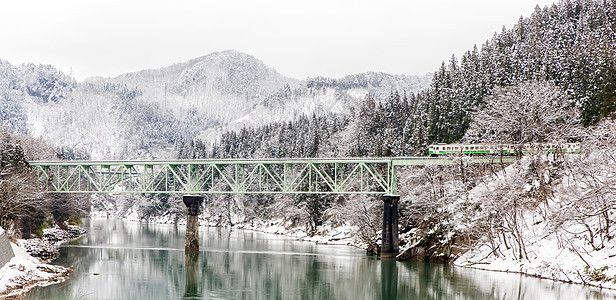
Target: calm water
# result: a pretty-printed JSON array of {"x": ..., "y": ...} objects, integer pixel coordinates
[{"x": 129, "y": 260}]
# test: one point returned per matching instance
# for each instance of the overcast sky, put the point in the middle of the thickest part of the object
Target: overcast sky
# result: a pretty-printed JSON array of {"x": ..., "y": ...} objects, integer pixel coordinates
[{"x": 298, "y": 38}]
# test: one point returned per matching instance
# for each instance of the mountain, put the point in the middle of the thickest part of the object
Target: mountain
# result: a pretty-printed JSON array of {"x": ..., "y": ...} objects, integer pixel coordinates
[
  {"x": 320, "y": 96},
  {"x": 222, "y": 86},
  {"x": 144, "y": 114}
]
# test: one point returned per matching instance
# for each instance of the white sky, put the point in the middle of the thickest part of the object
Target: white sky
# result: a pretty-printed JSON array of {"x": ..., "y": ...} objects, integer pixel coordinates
[{"x": 298, "y": 38}]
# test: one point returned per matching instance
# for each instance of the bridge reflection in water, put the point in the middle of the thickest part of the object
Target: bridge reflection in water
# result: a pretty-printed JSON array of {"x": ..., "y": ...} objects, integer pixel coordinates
[
  {"x": 389, "y": 279},
  {"x": 191, "y": 288}
]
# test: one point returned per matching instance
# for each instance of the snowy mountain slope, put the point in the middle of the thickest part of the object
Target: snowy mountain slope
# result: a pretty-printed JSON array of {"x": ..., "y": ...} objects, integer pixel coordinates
[
  {"x": 321, "y": 96},
  {"x": 222, "y": 86},
  {"x": 143, "y": 114}
]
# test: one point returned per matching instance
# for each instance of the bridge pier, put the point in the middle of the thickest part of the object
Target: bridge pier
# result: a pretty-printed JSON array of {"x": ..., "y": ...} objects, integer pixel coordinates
[
  {"x": 193, "y": 203},
  {"x": 389, "y": 247}
]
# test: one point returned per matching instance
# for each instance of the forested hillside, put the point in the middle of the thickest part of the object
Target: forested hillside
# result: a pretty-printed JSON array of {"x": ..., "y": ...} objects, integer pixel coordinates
[
  {"x": 570, "y": 44},
  {"x": 17, "y": 83}
]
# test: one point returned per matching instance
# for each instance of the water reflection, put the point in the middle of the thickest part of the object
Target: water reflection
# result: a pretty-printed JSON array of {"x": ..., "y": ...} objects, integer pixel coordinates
[
  {"x": 191, "y": 290},
  {"x": 144, "y": 261},
  {"x": 389, "y": 279}
]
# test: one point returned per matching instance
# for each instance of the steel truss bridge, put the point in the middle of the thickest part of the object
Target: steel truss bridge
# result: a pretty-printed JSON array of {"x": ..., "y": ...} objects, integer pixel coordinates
[{"x": 376, "y": 176}]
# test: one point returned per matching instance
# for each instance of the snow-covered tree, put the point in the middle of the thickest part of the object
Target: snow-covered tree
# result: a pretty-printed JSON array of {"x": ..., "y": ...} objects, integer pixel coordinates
[
  {"x": 21, "y": 195},
  {"x": 23, "y": 204},
  {"x": 588, "y": 192},
  {"x": 530, "y": 112}
]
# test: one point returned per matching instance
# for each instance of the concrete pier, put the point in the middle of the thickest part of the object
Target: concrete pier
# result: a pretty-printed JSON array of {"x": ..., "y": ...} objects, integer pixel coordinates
[
  {"x": 390, "y": 248},
  {"x": 193, "y": 203}
]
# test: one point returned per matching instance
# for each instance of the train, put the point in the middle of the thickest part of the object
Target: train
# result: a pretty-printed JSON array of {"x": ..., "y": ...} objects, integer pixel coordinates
[{"x": 500, "y": 149}]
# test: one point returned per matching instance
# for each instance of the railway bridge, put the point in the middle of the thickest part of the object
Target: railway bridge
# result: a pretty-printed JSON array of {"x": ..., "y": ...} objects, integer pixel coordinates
[{"x": 193, "y": 178}]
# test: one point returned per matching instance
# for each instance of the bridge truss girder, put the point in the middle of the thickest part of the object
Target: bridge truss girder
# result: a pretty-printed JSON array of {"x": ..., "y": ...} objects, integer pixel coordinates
[
  {"x": 376, "y": 176},
  {"x": 220, "y": 176}
]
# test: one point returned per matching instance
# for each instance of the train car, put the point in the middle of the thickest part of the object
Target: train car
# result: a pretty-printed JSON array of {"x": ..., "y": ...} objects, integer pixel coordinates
[{"x": 499, "y": 149}]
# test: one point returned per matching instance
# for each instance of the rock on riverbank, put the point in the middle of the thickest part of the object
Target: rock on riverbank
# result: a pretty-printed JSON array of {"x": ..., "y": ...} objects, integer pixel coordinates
[
  {"x": 46, "y": 248},
  {"x": 28, "y": 268}
]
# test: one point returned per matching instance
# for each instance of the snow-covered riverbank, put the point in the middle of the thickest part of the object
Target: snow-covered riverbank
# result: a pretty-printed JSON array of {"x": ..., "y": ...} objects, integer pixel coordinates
[
  {"x": 25, "y": 271},
  {"x": 549, "y": 262},
  {"x": 563, "y": 257},
  {"x": 566, "y": 236}
]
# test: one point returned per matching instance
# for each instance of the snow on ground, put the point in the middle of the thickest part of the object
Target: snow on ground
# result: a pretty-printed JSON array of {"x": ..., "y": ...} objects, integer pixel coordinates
[
  {"x": 325, "y": 234},
  {"x": 556, "y": 237},
  {"x": 546, "y": 259},
  {"x": 24, "y": 272}
]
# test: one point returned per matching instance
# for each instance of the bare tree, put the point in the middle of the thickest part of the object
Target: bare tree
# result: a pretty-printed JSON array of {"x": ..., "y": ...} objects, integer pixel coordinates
[
  {"x": 21, "y": 195},
  {"x": 23, "y": 204},
  {"x": 588, "y": 196},
  {"x": 530, "y": 112}
]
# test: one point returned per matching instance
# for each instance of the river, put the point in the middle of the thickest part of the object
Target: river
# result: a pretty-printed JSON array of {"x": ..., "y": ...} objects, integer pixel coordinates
[{"x": 131, "y": 260}]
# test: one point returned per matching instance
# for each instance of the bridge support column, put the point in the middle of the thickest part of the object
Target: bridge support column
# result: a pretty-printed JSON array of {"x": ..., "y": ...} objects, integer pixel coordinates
[
  {"x": 389, "y": 248},
  {"x": 193, "y": 203}
]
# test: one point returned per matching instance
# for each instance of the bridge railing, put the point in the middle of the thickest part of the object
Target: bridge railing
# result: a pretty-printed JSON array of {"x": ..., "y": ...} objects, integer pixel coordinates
[{"x": 232, "y": 176}]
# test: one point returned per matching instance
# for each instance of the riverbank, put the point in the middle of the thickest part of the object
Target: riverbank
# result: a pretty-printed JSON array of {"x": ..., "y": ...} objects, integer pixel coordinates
[
  {"x": 30, "y": 266},
  {"x": 548, "y": 259}
]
